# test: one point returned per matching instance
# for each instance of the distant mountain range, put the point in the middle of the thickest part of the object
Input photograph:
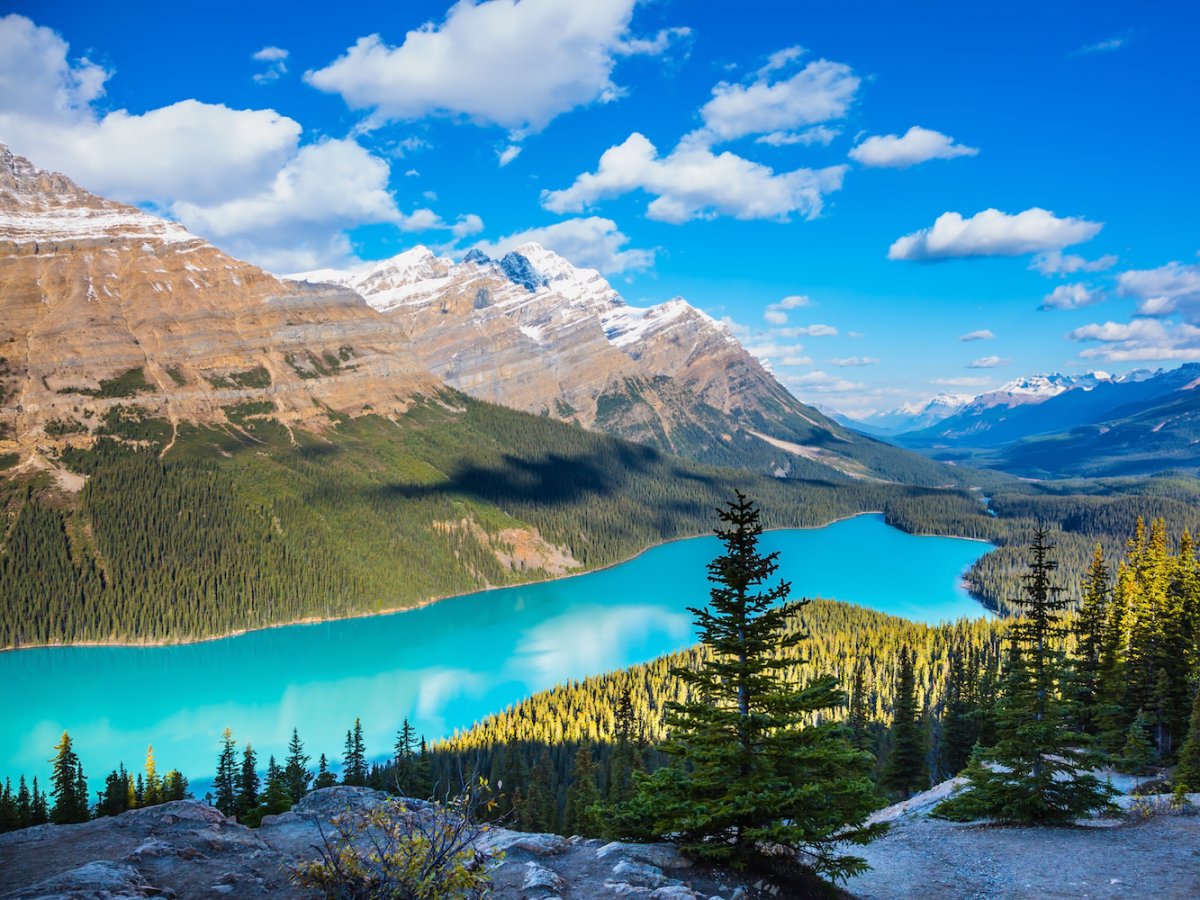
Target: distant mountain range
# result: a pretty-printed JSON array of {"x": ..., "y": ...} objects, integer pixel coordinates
[{"x": 1063, "y": 425}]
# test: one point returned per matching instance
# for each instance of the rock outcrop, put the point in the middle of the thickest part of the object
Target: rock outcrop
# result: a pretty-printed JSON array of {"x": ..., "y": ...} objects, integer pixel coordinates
[
  {"x": 187, "y": 849},
  {"x": 103, "y": 305}
]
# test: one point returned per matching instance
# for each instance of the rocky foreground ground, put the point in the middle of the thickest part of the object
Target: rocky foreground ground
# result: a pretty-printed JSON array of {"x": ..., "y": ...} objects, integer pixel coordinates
[{"x": 187, "y": 849}]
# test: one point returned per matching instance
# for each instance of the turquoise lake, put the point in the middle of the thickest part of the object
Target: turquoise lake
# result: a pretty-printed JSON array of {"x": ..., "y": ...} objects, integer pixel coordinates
[{"x": 444, "y": 666}]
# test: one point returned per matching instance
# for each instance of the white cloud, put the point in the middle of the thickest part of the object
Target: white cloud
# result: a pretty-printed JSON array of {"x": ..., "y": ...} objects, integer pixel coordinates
[
  {"x": 238, "y": 175},
  {"x": 467, "y": 225},
  {"x": 768, "y": 350},
  {"x": 854, "y": 361},
  {"x": 1139, "y": 340},
  {"x": 809, "y": 330},
  {"x": 819, "y": 92},
  {"x": 693, "y": 182},
  {"x": 780, "y": 59},
  {"x": 1071, "y": 296},
  {"x": 1172, "y": 288},
  {"x": 499, "y": 62},
  {"x": 593, "y": 242},
  {"x": 1057, "y": 263},
  {"x": 276, "y": 59},
  {"x": 819, "y": 382},
  {"x": 987, "y": 362},
  {"x": 508, "y": 154},
  {"x": 818, "y": 134},
  {"x": 993, "y": 233},
  {"x": 917, "y": 145},
  {"x": 1105, "y": 46},
  {"x": 983, "y": 334},
  {"x": 777, "y": 313}
]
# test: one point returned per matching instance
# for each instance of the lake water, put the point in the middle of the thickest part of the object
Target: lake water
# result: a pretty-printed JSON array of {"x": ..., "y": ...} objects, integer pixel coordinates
[{"x": 444, "y": 666}]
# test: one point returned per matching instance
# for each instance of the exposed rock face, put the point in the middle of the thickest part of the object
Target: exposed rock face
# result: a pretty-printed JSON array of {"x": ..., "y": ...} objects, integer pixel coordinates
[
  {"x": 102, "y": 304},
  {"x": 187, "y": 849},
  {"x": 533, "y": 332}
]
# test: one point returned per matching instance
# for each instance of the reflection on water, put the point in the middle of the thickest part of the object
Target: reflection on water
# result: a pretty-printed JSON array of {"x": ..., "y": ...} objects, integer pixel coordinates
[{"x": 443, "y": 666}]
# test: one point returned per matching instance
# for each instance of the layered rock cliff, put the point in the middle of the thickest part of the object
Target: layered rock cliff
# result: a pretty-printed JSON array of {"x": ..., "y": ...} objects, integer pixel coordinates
[{"x": 104, "y": 307}]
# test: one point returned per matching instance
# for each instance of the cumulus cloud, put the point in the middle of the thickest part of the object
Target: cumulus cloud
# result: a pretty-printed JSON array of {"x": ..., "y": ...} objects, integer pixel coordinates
[
  {"x": 917, "y": 145},
  {"x": 819, "y": 92},
  {"x": 1058, "y": 263},
  {"x": 1173, "y": 288},
  {"x": 854, "y": 361},
  {"x": 1139, "y": 340},
  {"x": 988, "y": 362},
  {"x": 777, "y": 313},
  {"x": 276, "y": 60},
  {"x": 983, "y": 334},
  {"x": 693, "y": 182},
  {"x": 993, "y": 233},
  {"x": 466, "y": 226},
  {"x": 1071, "y": 296},
  {"x": 499, "y": 62},
  {"x": 241, "y": 176},
  {"x": 593, "y": 242}
]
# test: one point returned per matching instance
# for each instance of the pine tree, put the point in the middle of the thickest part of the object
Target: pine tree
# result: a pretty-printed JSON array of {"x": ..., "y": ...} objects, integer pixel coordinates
[
  {"x": 153, "y": 785},
  {"x": 354, "y": 763},
  {"x": 174, "y": 786},
  {"x": 24, "y": 805},
  {"x": 857, "y": 717},
  {"x": 324, "y": 778},
  {"x": 1138, "y": 753},
  {"x": 39, "y": 813},
  {"x": 276, "y": 798},
  {"x": 582, "y": 795},
  {"x": 1187, "y": 771},
  {"x": 248, "y": 783},
  {"x": 66, "y": 780},
  {"x": 906, "y": 770},
  {"x": 626, "y": 757},
  {"x": 1039, "y": 780},
  {"x": 752, "y": 769},
  {"x": 295, "y": 771},
  {"x": 1090, "y": 641},
  {"x": 540, "y": 811},
  {"x": 405, "y": 760},
  {"x": 960, "y": 721},
  {"x": 114, "y": 799},
  {"x": 226, "y": 783},
  {"x": 9, "y": 819}
]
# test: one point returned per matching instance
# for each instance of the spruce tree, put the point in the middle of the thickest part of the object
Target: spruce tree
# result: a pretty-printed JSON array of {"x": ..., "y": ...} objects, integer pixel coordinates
[
  {"x": 248, "y": 783},
  {"x": 906, "y": 770},
  {"x": 1138, "y": 753},
  {"x": 153, "y": 784},
  {"x": 276, "y": 798},
  {"x": 960, "y": 721},
  {"x": 324, "y": 778},
  {"x": 67, "y": 785},
  {"x": 174, "y": 786},
  {"x": 1187, "y": 771},
  {"x": 582, "y": 795},
  {"x": 225, "y": 785},
  {"x": 1036, "y": 778},
  {"x": 354, "y": 763},
  {"x": 540, "y": 811},
  {"x": 295, "y": 771},
  {"x": 626, "y": 756},
  {"x": 9, "y": 820},
  {"x": 24, "y": 804},
  {"x": 405, "y": 760},
  {"x": 1090, "y": 641},
  {"x": 39, "y": 813},
  {"x": 753, "y": 769}
]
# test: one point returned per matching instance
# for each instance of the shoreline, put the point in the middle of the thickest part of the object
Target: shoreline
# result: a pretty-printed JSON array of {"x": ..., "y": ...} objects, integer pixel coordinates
[{"x": 429, "y": 601}]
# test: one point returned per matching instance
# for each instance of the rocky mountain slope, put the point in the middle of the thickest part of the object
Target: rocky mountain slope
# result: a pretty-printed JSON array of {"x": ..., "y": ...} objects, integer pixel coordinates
[
  {"x": 533, "y": 332},
  {"x": 187, "y": 849},
  {"x": 106, "y": 311},
  {"x": 1095, "y": 424}
]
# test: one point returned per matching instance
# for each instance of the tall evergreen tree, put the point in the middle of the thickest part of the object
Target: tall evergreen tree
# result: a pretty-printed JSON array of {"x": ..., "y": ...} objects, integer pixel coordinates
[
  {"x": 276, "y": 798},
  {"x": 295, "y": 771},
  {"x": 39, "y": 813},
  {"x": 1038, "y": 778},
  {"x": 225, "y": 785},
  {"x": 1187, "y": 771},
  {"x": 9, "y": 819},
  {"x": 153, "y": 783},
  {"x": 753, "y": 770},
  {"x": 405, "y": 760},
  {"x": 1138, "y": 753},
  {"x": 248, "y": 783},
  {"x": 354, "y": 762},
  {"x": 960, "y": 719},
  {"x": 67, "y": 785},
  {"x": 24, "y": 804},
  {"x": 1089, "y": 630},
  {"x": 906, "y": 770},
  {"x": 582, "y": 795},
  {"x": 540, "y": 811}
]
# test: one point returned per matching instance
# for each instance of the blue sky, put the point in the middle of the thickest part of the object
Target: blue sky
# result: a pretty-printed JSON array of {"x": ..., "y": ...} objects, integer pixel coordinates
[{"x": 737, "y": 154}]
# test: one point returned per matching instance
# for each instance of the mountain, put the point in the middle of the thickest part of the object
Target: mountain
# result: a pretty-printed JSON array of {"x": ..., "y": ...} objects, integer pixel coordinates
[
  {"x": 533, "y": 332},
  {"x": 912, "y": 416},
  {"x": 109, "y": 313},
  {"x": 1050, "y": 425}
]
